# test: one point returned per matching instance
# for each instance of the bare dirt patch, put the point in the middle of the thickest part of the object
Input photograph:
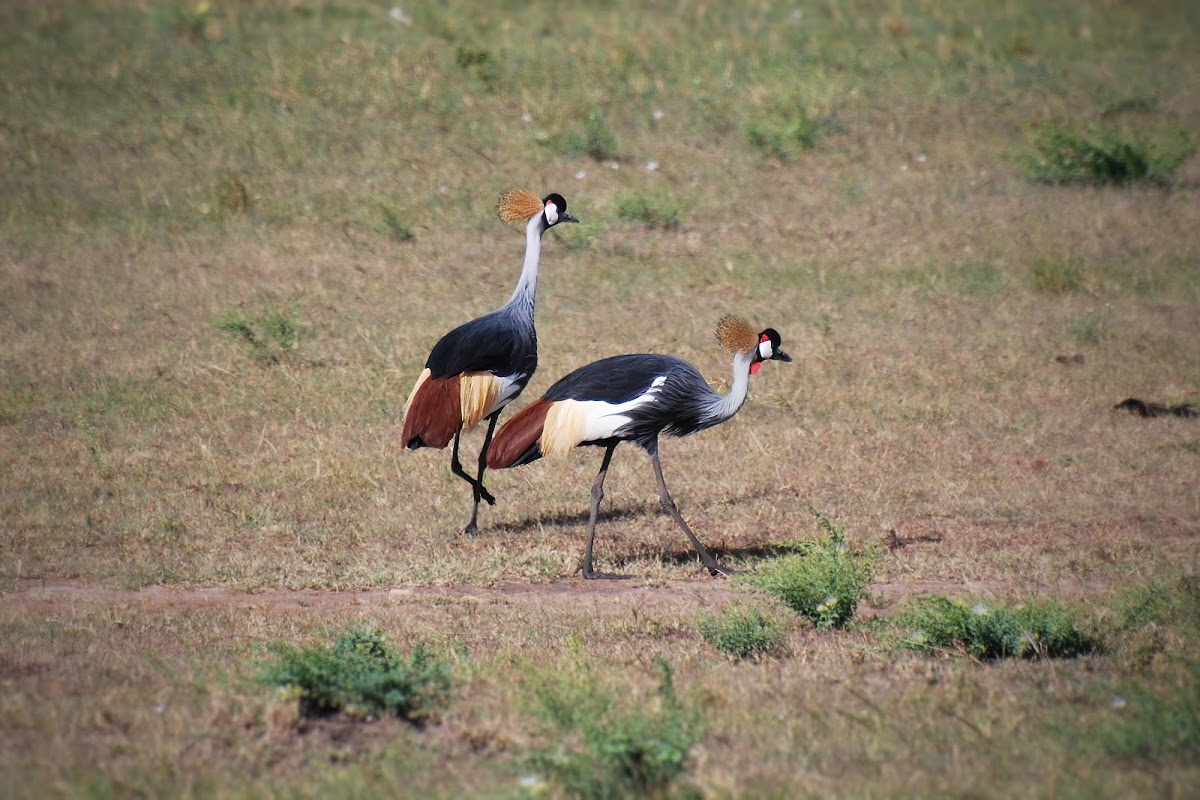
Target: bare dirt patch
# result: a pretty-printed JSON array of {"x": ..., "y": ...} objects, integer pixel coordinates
[{"x": 45, "y": 596}]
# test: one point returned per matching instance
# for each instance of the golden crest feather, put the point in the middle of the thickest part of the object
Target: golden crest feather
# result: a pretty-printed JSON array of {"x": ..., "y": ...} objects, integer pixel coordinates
[
  {"x": 516, "y": 206},
  {"x": 735, "y": 334}
]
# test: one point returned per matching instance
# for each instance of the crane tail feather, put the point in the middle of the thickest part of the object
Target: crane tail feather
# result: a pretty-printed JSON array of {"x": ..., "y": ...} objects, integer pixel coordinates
[
  {"x": 433, "y": 413},
  {"x": 478, "y": 390},
  {"x": 516, "y": 442}
]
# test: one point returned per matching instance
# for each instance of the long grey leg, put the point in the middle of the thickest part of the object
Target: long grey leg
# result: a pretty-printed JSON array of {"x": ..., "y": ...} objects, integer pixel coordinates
[
  {"x": 669, "y": 506},
  {"x": 597, "y": 496}
]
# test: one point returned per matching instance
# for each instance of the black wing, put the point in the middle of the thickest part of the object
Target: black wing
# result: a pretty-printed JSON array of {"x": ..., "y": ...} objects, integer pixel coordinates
[
  {"x": 495, "y": 342},
  {"x": 616, "y": 379}
]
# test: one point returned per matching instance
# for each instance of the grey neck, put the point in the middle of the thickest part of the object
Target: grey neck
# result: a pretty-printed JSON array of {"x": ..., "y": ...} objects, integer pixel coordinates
[
  {"x": 722, "y": 407},
  {"x": 526, "y": 290}
]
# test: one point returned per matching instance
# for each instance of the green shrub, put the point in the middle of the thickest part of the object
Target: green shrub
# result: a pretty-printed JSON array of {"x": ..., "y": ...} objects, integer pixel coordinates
[
  {"x": 363, "y": 676},
  {"x": 654, "y": 211},
  {"x": 988, "y": 631},
  {"x": 1102, "y": 157},
  {"x": 604, "y": 743},
  {"x": 743, "y": 633},
  {"x": 824, "y": 581}
]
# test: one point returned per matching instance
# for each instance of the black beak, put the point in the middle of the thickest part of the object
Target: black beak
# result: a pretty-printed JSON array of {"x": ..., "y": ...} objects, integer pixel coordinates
[
  {"x": 565, "y": 217},
  {"x": 779, "y": 355}
]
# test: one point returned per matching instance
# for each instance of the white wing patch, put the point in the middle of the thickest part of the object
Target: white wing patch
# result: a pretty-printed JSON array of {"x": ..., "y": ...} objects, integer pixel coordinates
[
  {"x": 569, "y": 423},
  {"x": 507, "y": 387}
]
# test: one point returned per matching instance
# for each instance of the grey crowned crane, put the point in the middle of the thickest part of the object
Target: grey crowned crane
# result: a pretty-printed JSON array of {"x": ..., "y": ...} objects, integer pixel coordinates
[
  {"x": 634, "y": 398},
  {"x": 480, "y": 366}
]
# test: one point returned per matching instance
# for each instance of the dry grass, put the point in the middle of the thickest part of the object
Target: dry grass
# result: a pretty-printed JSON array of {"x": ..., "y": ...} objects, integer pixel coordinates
[{"x": 165, "y": 169}]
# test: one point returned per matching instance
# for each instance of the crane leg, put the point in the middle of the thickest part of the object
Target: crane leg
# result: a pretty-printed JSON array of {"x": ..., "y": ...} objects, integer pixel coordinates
[
  {"x": 597, "y": 496},
  {"x": 478, "y": 492},
  {"x": 669, "y": 506},
  {"x": 477, "y": 488}
]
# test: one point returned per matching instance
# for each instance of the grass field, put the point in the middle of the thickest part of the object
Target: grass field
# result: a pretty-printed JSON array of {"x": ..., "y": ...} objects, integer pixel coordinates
[{"x": 230, "y": 233}]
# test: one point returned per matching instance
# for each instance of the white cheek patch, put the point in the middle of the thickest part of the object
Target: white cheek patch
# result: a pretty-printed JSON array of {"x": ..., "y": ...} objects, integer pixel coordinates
[
  {"x": 551, "y": 213},
  {"x": 765, "y": 351}
]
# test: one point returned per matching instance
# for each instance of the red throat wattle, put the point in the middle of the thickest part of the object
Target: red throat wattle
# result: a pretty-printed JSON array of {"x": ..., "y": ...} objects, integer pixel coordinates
[{"x": 757, "y": 365}]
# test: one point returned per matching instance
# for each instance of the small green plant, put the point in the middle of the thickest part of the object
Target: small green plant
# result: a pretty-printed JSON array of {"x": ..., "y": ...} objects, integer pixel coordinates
[
  {"x": 989, "y": 631},
  {"x": 602, "y": 743},
  {"x": 743, "y": 633},
  {"x": 1102, "y": 157},
  {"x": 799, "y": 130},
  {"x": 654, "y": 211},
  {"x": 189, "y": 20},
  {"x": 600, "y": 143},
  {"x": 231, "y": 196},
  {"x": 94, "y": 443},
  {"x": 1056, "y": 275},
  {"x": 397, "y": 228},
  {"x": 272, "y": 335},
  {"x": 595, "y": 140},
  {"x": 1087, "y": 328},
  {"x": 824, "y": 582},
  {"x": 361, "y": 675},
  {"x": 480, "y": 61}
]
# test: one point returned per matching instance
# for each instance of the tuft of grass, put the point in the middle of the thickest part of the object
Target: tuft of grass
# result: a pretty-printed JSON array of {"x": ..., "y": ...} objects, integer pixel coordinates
[
  {"x": 799, "y": 130},
  {"x": 272, "y": 336},
  {"x": 223, "y": 200},
  {"x": 824, "y": 582},
  {"x": 1102, "y": 157},
  {"x": 1161, "y": 603},
  {"x": 989, "y": 631},
  {"x": 1157, "y": 726},
  {"x": 1087, "y": 328},
  {"x": 1055, "y": 275},
  {"x": 194, "y": 21},
  {"x": 95, "y": 443},
  {"x": 744, "y": 632},
  {"x": 603, "y": 744},
  {"x": 594, "y": 139},
  {"x": 657, "y": 210},
  {"x": 1157, "y": 622},
  {"x": 397, "y": 228},
  {"x": 481, "y": 62},
  {"x": 361, "y": 675}
]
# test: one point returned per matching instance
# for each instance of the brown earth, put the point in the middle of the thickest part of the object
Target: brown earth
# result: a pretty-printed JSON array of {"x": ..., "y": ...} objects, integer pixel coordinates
[{"x": 45, "y": 596}]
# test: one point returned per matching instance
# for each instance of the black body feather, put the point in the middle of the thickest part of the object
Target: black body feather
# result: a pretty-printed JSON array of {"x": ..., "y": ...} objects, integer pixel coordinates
[{"x": 502, "y": 342}]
